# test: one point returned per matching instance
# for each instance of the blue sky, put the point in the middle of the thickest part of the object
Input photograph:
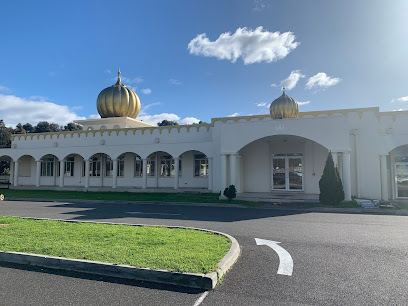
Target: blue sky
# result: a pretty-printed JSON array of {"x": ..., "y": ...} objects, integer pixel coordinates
[{"x": 194, "y": 60}]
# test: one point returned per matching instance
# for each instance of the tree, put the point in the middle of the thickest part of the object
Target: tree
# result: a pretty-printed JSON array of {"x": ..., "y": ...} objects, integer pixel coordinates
[
  {"x": 230, "y": 192},
  {"x": 72, "y": 127},
  {"x": 166, "y": 123},
  {"x": 19, "y": 129},
  {"x": 331, "y": 187},
  {"x": 5, "y": 135},
  {"x": 28, "y": 128}
]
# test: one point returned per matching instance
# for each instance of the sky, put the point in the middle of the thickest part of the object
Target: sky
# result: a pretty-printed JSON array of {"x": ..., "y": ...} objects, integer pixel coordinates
[{"x": 196, "y": 60}]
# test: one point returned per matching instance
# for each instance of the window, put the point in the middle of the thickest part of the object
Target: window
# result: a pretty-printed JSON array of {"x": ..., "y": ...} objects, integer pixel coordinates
[
  {"x": 108, "y": 166},
  {"x": 151, "y": 167},
  {"x": 94, "y": 167},
  {"x": 167, "y": 166},
  {"x": 69, "y": 166},
  {"x": 200, "y": 165},
  {"x": 138, "y": 166},
  {"x": 121, "y": 166},
  {"x": 47, "y": 166}
]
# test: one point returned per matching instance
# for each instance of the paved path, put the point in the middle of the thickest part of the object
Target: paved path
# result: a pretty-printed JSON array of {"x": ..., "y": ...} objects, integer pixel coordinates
[{"x": 339, "y": 259}]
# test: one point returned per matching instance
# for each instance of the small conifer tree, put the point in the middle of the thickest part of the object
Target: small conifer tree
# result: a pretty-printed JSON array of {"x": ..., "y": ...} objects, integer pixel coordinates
[
  {"x": 331, "y": 187},
  {"x": 230, "y": 192}
]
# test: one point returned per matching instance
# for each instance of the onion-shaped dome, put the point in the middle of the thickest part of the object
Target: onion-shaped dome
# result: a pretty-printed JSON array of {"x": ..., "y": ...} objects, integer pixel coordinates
[
  {"x": 118, "y": 101},
  {"x": 284, "y": 107}
]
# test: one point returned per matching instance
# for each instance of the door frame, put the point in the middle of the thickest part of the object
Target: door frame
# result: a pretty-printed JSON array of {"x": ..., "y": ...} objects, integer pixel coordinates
[
  {"x": 395, "y": 179},
  {"x": 286, "y": 158}
]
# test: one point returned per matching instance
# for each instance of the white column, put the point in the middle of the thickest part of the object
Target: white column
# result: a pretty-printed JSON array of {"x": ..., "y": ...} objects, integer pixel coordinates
[
  {"x": 335, "y": 159},
  {"x": 62, "y": 168},
  {"x": 11, "y": 178},
  {"x": 357, "y": 155},
  {"x": 38, "y": 173},
  {"x": 176, "y": 172},
  {"x": 238, "y": 163},
  {"x": 144, "y": 173},
  {"x": 223, "y": 172},
  {"x": 384, "y": 177},
  {"x": 156, "y": 174},
  {"x": 210, "y": 173},
  {"x": 16, "y": 172},
  {"x": 233, "y": 169},
  {"x": 87, "y": 173},
  {"x": 346, "y": 176},
  {"x": 115, "y": 173}
]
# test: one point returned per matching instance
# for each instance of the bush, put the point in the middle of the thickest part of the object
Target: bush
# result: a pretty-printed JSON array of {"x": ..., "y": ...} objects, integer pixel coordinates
[
  {"x": 331, "y": 187},
  {"x": 230, "y": 192}
]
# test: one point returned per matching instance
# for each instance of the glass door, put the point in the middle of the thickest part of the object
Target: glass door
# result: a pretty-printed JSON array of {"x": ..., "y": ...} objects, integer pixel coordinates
[
  {"x": 295, "y": 173},
  {"x": 401, "y": 180},
  {"x": 279, "y": 173},
  {"x": 287, "y": 172}
]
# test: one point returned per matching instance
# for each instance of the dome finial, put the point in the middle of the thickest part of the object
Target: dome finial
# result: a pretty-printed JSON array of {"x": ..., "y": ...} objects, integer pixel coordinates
[
  {"x": 284, "y": 89},
  {"x": 119, "y": 80}
]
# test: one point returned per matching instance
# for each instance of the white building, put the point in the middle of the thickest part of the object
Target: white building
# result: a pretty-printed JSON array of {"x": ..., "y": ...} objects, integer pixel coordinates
[{"x": 255, "y": 153}]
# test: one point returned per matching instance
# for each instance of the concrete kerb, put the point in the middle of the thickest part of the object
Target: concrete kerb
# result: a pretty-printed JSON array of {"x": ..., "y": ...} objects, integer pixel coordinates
[{"x": 192, "y": 280}]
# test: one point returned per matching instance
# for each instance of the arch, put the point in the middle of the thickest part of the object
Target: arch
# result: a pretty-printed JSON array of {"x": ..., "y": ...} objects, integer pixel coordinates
[
  {"x": 90, "y": 128},
  {"x": 283, "y": 136},
  {"x": 72, "y": 153},
  {"x": 103, "y": 127},
  {"x": 116, "y": 126}
]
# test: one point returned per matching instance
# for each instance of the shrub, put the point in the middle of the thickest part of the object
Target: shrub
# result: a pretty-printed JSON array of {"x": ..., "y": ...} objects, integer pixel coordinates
[
  {"x": 230, "y": 192},
  {"x": 331, "y": 187}
]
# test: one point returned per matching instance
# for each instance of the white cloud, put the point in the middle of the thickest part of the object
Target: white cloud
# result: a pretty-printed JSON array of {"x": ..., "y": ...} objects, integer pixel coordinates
[
  {"x": 274, "y": 85},
  {"x": 108, "y": 71},
  {"x": 303, "y": 103},
  {"x": 128, "y": 81},
  {"x": 38, "y": 98},
  {"x": 146, "y": 91},
  {"x": 321, "y": 80},
  {"x": 189, "y": 120},
  {"x": 402, "y": 99},
  {"x": 16, "y": 110},
  {"x": 253, "y": 46},
  {"x": 400, "y": 110},
  {"x": 94, "y": 116},
  {"x": 52, "y": 74},
  {"x": 258, "y": 5},
  {"x": 4, "y": 88},
  {"x": 263, "y": 104},
  {"x": 233, "y": 115},
  {"x": 174, "y": 82},
  {"x": 146, "y": 107},
  {"x": 291, "y": 81}
]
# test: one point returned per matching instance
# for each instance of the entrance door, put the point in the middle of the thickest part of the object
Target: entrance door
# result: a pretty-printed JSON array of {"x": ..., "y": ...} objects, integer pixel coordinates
[
  {"x": 287, "y": 172},
  {"x": 401, "y": 179}
]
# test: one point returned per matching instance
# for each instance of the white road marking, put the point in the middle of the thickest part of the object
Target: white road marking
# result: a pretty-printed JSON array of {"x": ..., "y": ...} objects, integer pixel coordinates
[
  {"x": 145, "y": 213},
  {"x": 201, "y": 298},
  {"x": 285, "y": 260}
]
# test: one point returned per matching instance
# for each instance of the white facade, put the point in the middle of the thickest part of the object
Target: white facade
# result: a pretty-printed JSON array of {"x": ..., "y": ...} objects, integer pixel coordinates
[{"x": 254, "y": 153}]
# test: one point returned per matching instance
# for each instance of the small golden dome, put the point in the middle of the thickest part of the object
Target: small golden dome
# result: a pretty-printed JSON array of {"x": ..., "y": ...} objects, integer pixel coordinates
[
  {"x": 118, "y": 101},
  {"x": 284, "y": 107}
]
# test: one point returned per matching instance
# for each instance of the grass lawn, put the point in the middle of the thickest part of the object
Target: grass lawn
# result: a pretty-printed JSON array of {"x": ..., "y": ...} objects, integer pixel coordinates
[
  {"x": 123, "y": 196},
  {"x": 402, "y": 205},
  {"x": 172, "y": 249}
]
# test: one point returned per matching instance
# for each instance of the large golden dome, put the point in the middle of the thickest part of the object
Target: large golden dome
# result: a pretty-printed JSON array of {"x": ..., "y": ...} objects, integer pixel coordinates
[
  {"x": 118, "y": 101},
  {"x": 284, "y": 107}
]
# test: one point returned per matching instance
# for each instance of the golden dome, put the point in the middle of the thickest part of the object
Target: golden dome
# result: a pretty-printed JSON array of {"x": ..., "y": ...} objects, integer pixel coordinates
[
  {"x": 284, "y": 107},
  {"x": 118, "y": 101}
]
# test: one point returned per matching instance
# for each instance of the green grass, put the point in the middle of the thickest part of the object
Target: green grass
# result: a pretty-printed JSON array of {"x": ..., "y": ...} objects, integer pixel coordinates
[
  {"x": 123, "y": 196},
  {"x": 172, "y": 249},
  {"x": 402, "y": 205}
]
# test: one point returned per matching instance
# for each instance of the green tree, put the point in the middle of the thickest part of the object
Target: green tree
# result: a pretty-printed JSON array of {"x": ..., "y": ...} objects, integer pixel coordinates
[
  {"x": 5, "y": 135},
  {"x": 167, "y": 122},
  {"x": 28, "y": 128},
  {"x": 331, "y": 187},
  {"x": 230, "y": 192},
  {"x": 19, "y": 129},
  {"x": 42, "y": 127},
  {"x": 72, "y": 127}
]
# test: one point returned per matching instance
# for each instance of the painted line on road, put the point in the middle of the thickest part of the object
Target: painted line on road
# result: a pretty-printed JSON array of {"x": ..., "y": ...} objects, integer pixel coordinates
[
  {"x": 201, "y": 298},
  {"x": 145, "y": 213},
  {"x": 285, "y": 260}
]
